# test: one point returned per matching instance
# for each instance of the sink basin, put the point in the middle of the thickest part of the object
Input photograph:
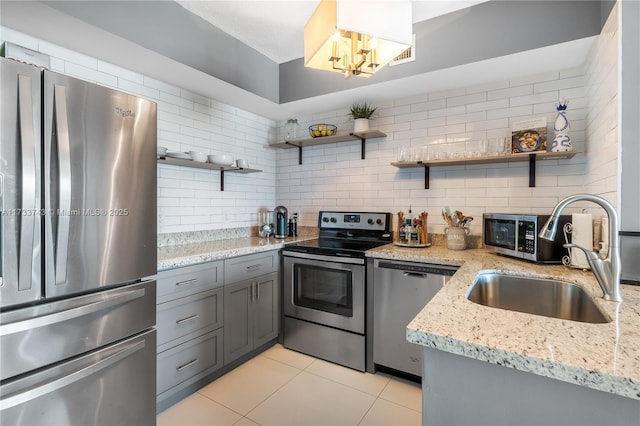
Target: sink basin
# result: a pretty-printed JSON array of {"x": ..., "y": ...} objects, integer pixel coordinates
[{"x": 550, "y": 298}]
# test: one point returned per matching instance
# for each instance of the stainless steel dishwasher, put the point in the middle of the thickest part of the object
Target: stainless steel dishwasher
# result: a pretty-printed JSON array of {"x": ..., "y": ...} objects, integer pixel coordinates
[{"x": 400, "y": 291}]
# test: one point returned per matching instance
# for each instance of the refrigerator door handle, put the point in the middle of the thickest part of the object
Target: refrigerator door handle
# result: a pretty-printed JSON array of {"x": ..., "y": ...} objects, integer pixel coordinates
[
  {"x": 64, "y": 188},
  {"x": 1, "y": 227},
  {"x": 27, "y": 215},
  {"x": 54, "y": 385},
  {"x": 102, "y": 303}
]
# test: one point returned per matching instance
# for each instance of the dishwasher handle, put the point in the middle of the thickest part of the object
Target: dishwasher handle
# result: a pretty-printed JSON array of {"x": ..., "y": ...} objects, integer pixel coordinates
[{"x": 419, "y": 269}]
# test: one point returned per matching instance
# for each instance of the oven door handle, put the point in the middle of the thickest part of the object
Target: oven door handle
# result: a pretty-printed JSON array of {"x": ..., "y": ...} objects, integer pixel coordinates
[{"x": 335, "y": 259}]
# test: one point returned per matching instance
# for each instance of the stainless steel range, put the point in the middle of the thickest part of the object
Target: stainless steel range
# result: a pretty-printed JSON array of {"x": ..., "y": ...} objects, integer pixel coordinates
[{"x": 324, "y": 286}]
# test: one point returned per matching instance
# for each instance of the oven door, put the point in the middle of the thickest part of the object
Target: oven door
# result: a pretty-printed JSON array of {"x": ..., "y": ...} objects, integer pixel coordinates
[{"x": 325, "y": 290}]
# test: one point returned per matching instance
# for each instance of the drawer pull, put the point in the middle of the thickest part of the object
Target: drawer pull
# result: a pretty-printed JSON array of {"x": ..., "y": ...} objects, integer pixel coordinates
[
  {"x": 254, "y": 267},
  {"x": 183, "y": 366},
  {"x": 183, "y": 320},
  {"x": 186, "y": 282}
]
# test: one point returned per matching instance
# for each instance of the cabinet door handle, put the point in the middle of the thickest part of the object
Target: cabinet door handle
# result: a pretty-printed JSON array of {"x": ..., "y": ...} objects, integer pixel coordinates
[
  {"x": 257, "y": 290},
  {"x": 253, "y": 267},
  {"x": 183, "y": 366},
  {"x": 187, "y": 319},
  {"x": 186, "y": 282},
  {"x": 252, "y": 292}
]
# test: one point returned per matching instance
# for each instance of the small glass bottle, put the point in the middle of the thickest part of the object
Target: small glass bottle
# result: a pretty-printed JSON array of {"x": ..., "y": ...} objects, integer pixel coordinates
[
  {"x": 291, "y": 130},
  {"x": 407, "y": 231},
  {"x": 413, "y": 235},
  {"x": 402, "y": 234}
]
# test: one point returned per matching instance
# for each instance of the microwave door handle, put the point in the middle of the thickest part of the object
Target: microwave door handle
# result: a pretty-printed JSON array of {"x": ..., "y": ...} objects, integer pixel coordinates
[
  {"x": 27, "y": 216},
  {"x": 51, "y": 386},
  {"x": 64, "y": 183}
]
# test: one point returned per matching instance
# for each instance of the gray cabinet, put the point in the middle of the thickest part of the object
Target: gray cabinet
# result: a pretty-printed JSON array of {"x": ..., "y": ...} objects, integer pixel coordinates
[
  {"x": 250, "y": 305},
  {"x": 250, "y": 315},
  {"x": 189, "y": 317}
]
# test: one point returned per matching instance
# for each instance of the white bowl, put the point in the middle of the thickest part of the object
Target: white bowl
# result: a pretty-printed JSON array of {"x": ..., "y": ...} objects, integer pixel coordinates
[
  {"x": 198, "y": 156},
  {"x": 222, "y": 159}
]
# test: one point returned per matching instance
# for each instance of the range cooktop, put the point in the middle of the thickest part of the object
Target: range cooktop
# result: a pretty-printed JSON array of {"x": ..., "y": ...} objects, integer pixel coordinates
[{"x": 347, "y": 234}]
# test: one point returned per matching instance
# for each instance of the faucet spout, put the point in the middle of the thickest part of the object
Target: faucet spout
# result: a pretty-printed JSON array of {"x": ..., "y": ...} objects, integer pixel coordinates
[{"x": 606, "y": 271}]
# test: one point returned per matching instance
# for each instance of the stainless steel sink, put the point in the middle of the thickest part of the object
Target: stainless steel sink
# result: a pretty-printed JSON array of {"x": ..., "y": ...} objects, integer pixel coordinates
[{"x": 551, "y": 298}]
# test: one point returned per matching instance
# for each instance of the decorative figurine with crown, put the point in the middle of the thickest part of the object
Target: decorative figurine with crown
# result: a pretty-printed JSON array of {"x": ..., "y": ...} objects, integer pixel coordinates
[{"x": 562, "y": 141}]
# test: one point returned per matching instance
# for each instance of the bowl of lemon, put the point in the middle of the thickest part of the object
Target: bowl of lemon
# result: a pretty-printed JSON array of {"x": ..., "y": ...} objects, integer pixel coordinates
[{"x": 320, "y": 130}]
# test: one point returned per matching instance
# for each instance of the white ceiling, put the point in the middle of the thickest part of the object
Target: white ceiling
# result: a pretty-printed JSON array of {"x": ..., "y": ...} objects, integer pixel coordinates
[{"x": 275, "y": 28}]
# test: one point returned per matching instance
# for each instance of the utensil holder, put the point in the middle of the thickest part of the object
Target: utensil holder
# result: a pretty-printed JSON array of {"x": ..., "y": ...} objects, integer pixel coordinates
[{"x": 456, "y": 237}]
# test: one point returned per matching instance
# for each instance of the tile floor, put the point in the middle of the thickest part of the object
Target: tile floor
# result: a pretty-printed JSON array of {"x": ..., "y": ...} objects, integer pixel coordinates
[{"x": 283, "y": 387}]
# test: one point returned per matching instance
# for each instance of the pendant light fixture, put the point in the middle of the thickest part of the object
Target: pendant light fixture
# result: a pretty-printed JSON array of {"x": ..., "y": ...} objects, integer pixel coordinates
[{"x": 357, "y": 37}]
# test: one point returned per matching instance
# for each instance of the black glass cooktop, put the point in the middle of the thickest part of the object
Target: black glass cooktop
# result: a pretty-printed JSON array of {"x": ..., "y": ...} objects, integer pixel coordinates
[{"x": 332, "y": 246}]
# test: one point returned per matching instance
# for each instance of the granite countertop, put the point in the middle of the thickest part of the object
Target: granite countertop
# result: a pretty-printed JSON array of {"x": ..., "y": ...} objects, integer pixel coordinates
[
  {"x": 605, "y": 357},
  {"x": 175, "y": 256}
]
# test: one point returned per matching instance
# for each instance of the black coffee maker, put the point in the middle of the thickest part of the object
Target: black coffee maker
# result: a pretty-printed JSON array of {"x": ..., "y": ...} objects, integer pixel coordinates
[{"x": 280, "y": 216}]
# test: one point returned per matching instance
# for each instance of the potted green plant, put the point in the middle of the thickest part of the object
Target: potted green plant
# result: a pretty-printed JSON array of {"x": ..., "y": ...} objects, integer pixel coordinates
[{"x": 361, "y": 113}]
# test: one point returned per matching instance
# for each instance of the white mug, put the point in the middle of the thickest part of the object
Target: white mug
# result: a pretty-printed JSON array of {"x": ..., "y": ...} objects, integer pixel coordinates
[{"x": 243, "y": 164}]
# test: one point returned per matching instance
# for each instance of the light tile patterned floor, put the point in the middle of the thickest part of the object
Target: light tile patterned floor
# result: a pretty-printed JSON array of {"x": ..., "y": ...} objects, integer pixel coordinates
[{"x": 283, "y": 387}]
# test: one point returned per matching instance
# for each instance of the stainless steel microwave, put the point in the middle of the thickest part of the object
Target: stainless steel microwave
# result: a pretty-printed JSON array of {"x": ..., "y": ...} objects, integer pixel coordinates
[{"x": 516, "y": 235}]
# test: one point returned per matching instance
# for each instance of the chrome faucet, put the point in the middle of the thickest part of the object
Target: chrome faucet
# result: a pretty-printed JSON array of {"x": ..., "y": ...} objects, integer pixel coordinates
[{"x": 607, "y": 271}]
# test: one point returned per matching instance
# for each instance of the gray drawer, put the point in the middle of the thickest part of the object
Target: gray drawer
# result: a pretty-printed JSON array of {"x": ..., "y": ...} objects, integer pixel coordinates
[
  {"x": 189, "y": 280},
  {"x": 187, "y": 315},
  {"x": 246, "y": 267},
  {"x": 201, "y": 355}
]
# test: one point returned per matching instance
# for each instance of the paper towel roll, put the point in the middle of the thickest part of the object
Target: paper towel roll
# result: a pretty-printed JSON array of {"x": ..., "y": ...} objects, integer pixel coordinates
[
  {"x": 604, "y": 234},
  {"x": 582, "y": 235}
]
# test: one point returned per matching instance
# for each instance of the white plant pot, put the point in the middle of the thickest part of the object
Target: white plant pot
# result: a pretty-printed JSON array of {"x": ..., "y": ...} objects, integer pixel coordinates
[{"x": 360, "y": 125}]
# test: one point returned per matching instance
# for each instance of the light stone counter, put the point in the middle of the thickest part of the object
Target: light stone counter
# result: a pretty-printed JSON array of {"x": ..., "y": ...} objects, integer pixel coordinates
[
  {"x": 605, "y": 357},
  {"x": 175, "y": 256}
]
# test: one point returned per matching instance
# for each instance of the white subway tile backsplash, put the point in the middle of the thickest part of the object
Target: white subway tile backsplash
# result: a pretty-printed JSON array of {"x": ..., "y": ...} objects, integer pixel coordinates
[
  {"x": 90, "y": 74},
  {"x": 120, "y": 72},
  {"x": 69, "y": 56},
  {"x": 138, "y": 89}
]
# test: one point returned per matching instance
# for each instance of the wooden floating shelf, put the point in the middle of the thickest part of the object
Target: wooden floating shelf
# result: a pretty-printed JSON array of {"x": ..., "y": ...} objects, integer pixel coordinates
[
  {"x": 209, "y": 166},
  {"x": 324, "y": 140},
  {"x": 531, "y": 157}
]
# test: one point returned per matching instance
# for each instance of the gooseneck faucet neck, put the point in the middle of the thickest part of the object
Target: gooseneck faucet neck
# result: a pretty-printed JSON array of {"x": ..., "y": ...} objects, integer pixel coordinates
[{"x": 606, "y": 271}]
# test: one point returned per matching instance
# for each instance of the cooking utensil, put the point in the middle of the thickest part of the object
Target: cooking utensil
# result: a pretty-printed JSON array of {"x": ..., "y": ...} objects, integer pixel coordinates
[
  {"x": 447, "y": 218},
  {"x": 466, "y": 220},
  {"x": 459, "y": 217}
]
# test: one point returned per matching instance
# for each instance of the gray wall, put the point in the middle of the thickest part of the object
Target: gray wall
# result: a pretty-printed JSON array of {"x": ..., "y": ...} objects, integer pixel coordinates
[
  {"x": 171, "y": 30},
  {"x": 484, "y": 31}
]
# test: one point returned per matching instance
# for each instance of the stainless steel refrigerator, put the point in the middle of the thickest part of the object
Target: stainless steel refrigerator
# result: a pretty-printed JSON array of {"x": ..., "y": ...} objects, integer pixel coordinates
[{"x": 78, "y": 244}]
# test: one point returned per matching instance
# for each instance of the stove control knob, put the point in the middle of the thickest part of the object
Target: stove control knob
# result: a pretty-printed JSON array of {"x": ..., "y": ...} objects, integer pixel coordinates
[
  {"x": 379, "y": 221},
  {"x": 325, "y": 219},
  {"x": 333, "y": 220},
  {"x": 370, "y": 221}
]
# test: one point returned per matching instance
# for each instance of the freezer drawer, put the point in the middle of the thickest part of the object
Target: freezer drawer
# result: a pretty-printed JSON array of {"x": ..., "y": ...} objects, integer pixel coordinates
[
  {"x": 114, "y": 385},
  {"x": 37, "y": 336}
]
